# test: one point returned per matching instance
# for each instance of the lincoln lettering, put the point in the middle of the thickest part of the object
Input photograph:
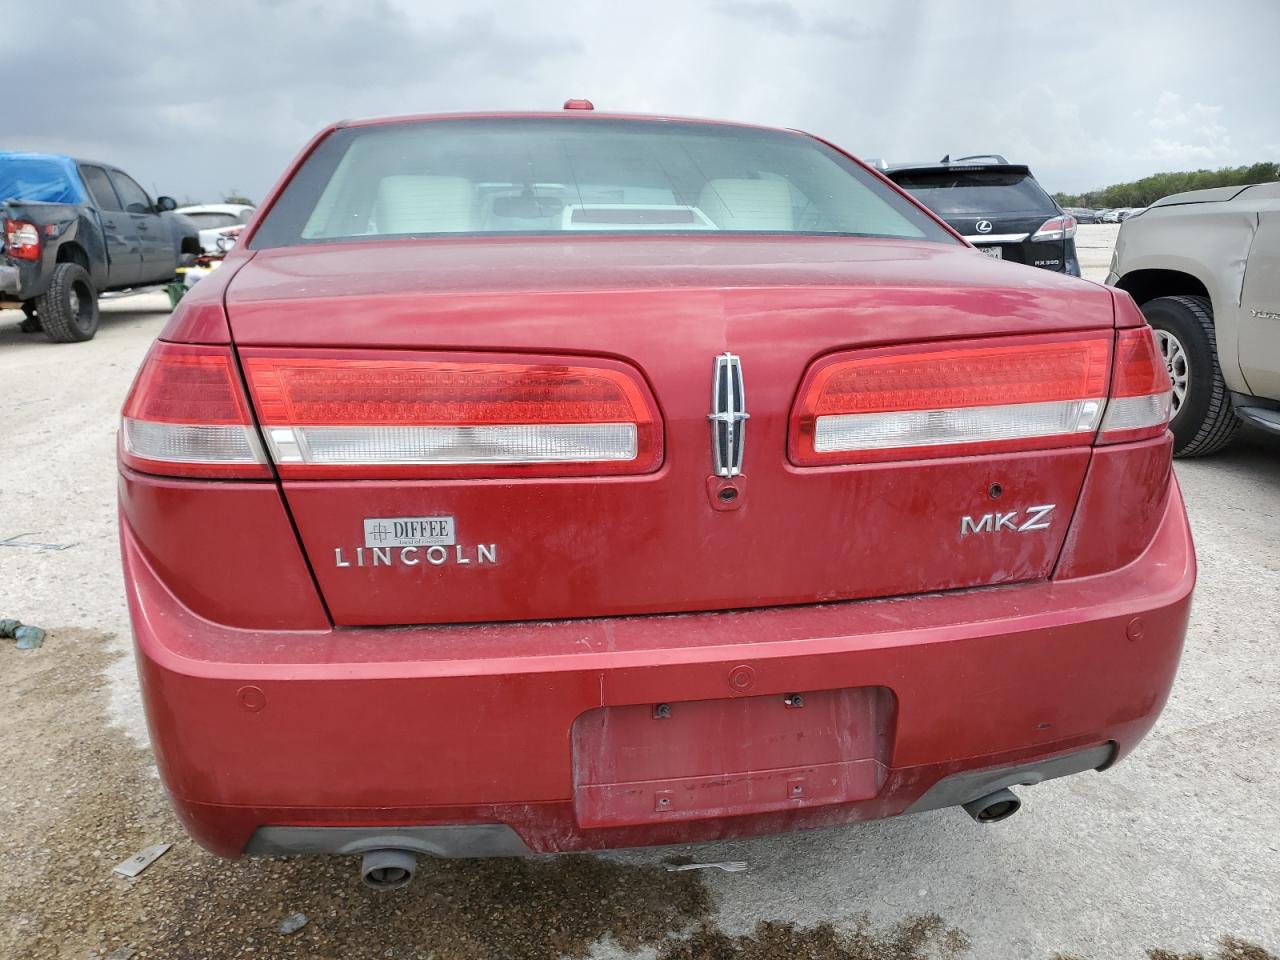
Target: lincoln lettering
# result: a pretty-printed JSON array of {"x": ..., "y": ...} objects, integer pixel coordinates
[{"x": 438, "y": 555}]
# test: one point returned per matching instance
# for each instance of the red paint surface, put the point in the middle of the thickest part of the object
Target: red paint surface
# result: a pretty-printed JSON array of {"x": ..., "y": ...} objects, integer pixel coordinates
[
  {"x": 700, "y": 759},
  {"x": 644, "y": 544},
  {"x": 282, "y": 689},
  {"x": 473, "y": 723},
  {"x": 226, "y": 550}
]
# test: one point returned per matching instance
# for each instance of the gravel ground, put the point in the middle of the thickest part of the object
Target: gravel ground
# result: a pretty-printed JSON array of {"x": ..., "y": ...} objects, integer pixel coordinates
[{"x": 1173, "y": 850}]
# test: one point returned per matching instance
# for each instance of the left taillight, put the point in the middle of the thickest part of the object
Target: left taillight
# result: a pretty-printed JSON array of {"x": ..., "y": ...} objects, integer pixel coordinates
[
  {"x": 354, "y": 414},
  {"x": 1057, "y": 228},
  {"x": 187, "y": 416},
  {"x": 22, "y": 239}
]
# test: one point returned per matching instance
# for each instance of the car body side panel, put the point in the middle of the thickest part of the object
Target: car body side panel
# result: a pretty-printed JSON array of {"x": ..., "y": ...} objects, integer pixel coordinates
[
  {"x": 1207, "y": 241},
  {"x": 1260, "y": 308}
]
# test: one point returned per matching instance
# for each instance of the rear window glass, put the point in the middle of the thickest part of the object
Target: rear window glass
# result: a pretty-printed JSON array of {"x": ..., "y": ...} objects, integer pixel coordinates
[
  {"x": 988, "y": 192},
  {"x": 551, "y": 176},
  {"x": 207, "y": 220}
]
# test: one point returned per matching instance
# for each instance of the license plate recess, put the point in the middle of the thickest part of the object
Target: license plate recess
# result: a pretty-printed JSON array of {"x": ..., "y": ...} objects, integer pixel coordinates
[{"x": 700, "y": 759}]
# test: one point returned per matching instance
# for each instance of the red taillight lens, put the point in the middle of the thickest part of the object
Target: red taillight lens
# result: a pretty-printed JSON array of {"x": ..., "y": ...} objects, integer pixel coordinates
[
  {"x": 1141, "y": 394},
  {"x": 973, "y": 397},
  {"x": 364, "y": 414},
  {"x": 1059, "y": 228},
  {"x": 187, "y": 416},
  {"x": 22, "y": 240}
]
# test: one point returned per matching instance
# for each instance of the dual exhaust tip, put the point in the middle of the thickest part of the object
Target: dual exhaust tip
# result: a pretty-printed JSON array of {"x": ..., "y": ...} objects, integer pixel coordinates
[{"x": 388, "y": 869}]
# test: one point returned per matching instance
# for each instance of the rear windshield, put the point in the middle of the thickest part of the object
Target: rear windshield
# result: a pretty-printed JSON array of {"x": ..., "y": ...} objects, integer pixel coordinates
[
  {"x": 984, "y": 192},
  {"x": 207, "y": 221},
  {"x": 553, "y": 176}
]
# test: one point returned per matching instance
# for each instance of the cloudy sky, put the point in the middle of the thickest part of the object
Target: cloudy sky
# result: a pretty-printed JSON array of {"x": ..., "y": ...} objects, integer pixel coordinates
[{"x": 198, "y": 99}]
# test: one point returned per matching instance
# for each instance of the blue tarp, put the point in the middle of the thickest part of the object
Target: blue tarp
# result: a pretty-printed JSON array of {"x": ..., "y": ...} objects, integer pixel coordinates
[{"x": 43, "y": 177}]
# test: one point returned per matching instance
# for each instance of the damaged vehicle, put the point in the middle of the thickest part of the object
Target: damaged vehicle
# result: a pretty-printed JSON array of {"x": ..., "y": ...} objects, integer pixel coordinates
[
  {"x": 1205, "y": 268},
  {"x": 566, "y": 481},
  {"x": 74, "y": 229}
]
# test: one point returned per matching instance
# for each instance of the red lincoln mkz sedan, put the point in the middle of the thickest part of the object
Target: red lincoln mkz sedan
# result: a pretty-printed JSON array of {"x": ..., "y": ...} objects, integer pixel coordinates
[{"x": 555, "y": 482}]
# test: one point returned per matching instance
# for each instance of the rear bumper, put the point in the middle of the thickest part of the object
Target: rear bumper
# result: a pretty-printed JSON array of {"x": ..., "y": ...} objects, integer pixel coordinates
[
  {"x": 548, "y": 733},
  {"x": 9, "y": 277}
]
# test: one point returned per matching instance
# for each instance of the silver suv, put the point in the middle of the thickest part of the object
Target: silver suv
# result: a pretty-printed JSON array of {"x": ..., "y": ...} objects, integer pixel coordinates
[{"x": 1205, "y": 268}]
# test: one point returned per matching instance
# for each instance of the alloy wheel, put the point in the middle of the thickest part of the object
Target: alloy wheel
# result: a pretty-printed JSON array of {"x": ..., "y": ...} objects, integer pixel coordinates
[{"x": 1176, "y": 362}]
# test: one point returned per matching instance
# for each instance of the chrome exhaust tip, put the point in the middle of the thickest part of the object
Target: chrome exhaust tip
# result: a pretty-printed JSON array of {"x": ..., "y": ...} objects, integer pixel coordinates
[
  {"x": 994, "y": 807},
  {"x": 387, "y": 869}
]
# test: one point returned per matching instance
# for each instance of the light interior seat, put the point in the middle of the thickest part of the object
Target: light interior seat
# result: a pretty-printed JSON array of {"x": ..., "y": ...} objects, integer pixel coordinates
[
  {"x": 425, "y": 204},
  {"x": 748, "y": 204}
]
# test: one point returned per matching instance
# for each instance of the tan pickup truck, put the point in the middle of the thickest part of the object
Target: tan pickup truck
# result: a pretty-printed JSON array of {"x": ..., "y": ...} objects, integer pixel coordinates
[{"x": 1205, "y": 268}]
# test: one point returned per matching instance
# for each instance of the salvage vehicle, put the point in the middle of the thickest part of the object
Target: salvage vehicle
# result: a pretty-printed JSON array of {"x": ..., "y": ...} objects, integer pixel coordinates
[
  {"x": 213, "y": 220},
  {"x": 1205, "y": 268},
  {"x": 565, "y": 481},
  {"x": 996, "y": 205},
  {"x": 76, "y": 228}
]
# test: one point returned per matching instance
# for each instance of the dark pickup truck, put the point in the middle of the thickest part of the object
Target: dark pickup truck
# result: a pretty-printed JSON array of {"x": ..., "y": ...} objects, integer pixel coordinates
[{"x": 74, "y": 229}]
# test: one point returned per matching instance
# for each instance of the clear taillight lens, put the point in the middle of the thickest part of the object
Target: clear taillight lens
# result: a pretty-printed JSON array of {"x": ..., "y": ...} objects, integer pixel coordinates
[
  {"x": 1141, "y": 395},
  {"x": 974, "y": 397},
  {"x": 1059, "y": 228},
  {"x": 365, "y": 414},
  {"x": 22, "y": 240},
  {"x": 187, "y": 416}
]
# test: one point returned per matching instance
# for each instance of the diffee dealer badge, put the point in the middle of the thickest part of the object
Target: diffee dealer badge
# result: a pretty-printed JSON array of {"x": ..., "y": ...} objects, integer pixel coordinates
[{"x": 411, "y": 542}]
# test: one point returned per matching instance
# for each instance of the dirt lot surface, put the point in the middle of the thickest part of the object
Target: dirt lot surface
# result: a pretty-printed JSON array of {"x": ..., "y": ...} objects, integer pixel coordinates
[{"x": 1174, "y": 850}]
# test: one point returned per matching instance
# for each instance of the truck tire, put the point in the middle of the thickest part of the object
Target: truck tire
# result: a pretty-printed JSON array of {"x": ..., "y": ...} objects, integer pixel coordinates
[
  {"x": 1203, "y": 420},
  {"x": 68, "y": 310}
]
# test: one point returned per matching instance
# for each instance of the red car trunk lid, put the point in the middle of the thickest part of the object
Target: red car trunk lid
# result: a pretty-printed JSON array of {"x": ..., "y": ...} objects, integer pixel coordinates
[{"x": 512, "y": 546}]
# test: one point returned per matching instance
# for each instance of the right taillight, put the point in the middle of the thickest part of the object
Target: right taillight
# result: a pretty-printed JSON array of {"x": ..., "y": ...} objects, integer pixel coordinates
[
  {"x": 1057, "y": 228},
  {"x": 951, "y": 399},
  {"x": 980, "y": 396},
  {"x": 1141, "y": 394},
  {"x": 376, "y": 414}
]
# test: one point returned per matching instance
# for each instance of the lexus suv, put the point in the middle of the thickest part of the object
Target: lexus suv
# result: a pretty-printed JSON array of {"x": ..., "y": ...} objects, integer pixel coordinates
[
  {"x": 996, "y": 205},
  {"x": 566, "y": 481}
]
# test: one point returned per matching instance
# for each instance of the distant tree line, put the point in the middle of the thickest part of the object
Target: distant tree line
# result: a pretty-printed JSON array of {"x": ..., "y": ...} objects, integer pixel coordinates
[{"x": 1144, "y": 192}]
